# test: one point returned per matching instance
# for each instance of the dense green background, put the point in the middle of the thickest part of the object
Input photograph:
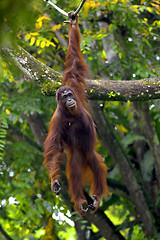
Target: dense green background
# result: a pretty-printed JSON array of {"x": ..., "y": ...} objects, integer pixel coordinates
[{"x": 28, "y": 209}]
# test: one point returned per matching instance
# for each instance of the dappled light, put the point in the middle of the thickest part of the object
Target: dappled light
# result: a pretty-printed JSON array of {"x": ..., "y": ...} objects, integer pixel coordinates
[{"x": 120, "y": 43}]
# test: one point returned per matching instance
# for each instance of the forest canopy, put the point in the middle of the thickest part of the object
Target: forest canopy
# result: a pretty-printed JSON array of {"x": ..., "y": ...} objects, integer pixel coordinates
[{"x": 120, "y": 43}]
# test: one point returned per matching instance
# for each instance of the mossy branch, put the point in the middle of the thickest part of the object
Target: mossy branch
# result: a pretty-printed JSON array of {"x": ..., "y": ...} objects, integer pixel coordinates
[{"x": 50, "y": 80}]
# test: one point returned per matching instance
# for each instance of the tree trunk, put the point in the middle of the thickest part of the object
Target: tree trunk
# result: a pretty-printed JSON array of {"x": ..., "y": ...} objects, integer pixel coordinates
[{"x": 109, "y": 138}]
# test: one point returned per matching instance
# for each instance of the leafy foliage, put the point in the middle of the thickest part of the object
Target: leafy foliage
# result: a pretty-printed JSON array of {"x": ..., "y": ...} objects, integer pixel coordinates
[
  {"x": 120, "y": 39},
  {"x": 3, "y": 129}
]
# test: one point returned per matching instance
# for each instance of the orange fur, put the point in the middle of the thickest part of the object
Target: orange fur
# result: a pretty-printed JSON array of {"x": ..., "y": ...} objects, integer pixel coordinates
[
  {"x": 76, "y": 69},
  {"x": 74, "y": 130}
]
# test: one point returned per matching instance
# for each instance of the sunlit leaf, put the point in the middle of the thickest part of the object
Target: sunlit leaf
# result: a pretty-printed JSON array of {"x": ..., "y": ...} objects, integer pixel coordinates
[
  {"x": 27, "y": 37},
  {"x": 43, "y": 44},
  {"x": 149, "y": 9},
  {"x": 34, "y": 33},
  {"x": 56, "y": 27},
  {"x": 121, "y": 128},
  {"x": 38, "y": 24},
  {"x": 32, "y": 41},
  {"x": 8, "y": 112}
]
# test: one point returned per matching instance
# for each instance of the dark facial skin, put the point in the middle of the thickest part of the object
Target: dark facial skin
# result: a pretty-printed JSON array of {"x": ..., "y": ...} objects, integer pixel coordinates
[{"x": 68, "y": 99}]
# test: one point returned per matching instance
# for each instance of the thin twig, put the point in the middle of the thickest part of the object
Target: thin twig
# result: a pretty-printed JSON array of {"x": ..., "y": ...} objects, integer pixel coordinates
[
  {"x": 63, "y": 12},
  {"x": 57, "y": 8},
  {"x": 79, "y": 8}
]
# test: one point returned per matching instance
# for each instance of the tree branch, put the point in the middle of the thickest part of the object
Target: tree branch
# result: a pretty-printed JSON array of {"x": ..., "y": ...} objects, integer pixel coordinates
[
  {"x": 57, "y": 8},
  {"x": 33, "y": 70},
  {"x": 4, "y": 233},
  {"x": 121, "y": 160},
  {"x": 38, "y": 128},
  {"x": 50, "y": 80},
  {"x": 16, "y": 135},
  {"x": 151, "y": 136},
  {"x": 118, "y": 189},
  {"x": 135, "y": 90},
  {"x": 79, "y": 7},
  {"x": 105, "y": 226},
  {"x": 63, "y": 12}
]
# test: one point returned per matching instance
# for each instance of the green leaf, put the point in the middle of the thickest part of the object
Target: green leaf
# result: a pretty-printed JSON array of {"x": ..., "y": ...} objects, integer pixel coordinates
[
  {"x": 147, "y": 166},
  {"x": 130, "y": 138}
]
